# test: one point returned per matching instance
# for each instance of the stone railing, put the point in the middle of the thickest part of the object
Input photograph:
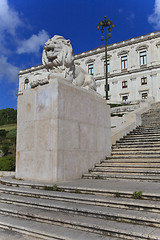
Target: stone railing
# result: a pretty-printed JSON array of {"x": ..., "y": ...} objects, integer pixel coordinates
[{"x": 129, "y": 121}]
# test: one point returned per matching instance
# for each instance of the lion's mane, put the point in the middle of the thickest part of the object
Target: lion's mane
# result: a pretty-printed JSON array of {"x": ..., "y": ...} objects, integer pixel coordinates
[
  {"x": 57, "y": 56},
  {"x": 58, "y": 59}
]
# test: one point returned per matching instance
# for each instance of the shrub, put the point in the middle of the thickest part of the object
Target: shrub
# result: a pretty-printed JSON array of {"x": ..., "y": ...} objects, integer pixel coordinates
[
  {"x": 3, "y": 133},
  {"x": 5, "y": 149},
  {"x": 137, "y": 195},
  {"x": 7, "y": 163},
  {"x": 12, "y": 135}
]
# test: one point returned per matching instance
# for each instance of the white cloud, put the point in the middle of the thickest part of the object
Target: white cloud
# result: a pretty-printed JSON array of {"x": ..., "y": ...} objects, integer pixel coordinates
[
  {"x": 7, "y": 70},
  {"x": 9, "y": 18},
  {"x": 9, "y": 23},
  {"x": 33, "y": 44},
  {"x": 154, "y": 18}
]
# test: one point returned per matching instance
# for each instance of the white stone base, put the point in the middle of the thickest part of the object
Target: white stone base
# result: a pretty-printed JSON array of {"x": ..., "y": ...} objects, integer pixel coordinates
[{"x": 63, "y": 130}]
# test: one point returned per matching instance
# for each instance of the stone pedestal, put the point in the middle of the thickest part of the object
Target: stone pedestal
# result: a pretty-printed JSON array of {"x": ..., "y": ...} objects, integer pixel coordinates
[{"x": 63, "y": 130}]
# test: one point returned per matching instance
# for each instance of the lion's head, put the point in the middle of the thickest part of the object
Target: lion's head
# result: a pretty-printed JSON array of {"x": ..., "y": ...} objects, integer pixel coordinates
[
  {"x": 57, "y": 53},
  {"x": 58, "y": 58}
]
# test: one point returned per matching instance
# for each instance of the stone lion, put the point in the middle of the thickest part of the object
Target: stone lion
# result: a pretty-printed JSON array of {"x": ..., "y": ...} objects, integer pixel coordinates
[
  {"x": 59, "y": 60},
  {"x": 57, "y": 56}
]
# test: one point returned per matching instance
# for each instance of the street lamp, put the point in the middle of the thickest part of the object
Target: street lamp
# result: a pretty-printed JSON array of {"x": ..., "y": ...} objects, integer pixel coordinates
[{"x": 106, "y": 23}]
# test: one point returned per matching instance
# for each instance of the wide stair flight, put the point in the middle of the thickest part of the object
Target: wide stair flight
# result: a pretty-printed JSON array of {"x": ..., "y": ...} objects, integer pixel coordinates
[
  {"x": 118, "y": 199},
  {"x": 135, "y": 156}
]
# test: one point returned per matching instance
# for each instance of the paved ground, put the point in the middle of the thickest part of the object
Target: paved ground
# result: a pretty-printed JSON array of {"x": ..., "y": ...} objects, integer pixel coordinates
[{"x": 10, "y": 235}]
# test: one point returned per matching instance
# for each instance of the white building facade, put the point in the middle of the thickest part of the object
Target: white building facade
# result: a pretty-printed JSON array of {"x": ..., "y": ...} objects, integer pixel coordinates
[{"x": 133, "y": 68}]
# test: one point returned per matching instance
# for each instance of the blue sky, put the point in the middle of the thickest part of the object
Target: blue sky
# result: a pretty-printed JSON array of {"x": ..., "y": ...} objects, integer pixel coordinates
[{"x": 25, "y": 25}]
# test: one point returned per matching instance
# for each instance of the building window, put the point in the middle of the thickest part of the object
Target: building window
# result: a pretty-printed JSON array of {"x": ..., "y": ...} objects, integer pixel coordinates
[
  {"x": 143, "y": 58},
  {"x": 143, "y": 81},
  {"x": 124, "y": 62},
  {"x": 108, "y": 66},
  {"x": 144, "y": 95},
  {"x": 90, "y": 69},
  {"x": 26, "y": 83},
  {"x": 125, "y": 98},
  {"x": 124, "y": 84}
]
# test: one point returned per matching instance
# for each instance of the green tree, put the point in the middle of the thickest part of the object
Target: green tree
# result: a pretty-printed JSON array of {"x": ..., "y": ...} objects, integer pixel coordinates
[{"x": 8, "y": 116}]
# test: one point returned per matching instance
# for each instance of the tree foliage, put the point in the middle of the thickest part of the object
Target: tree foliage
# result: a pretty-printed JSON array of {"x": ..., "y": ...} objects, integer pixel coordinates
[
  {"x": 7, "y": 163},
  {"x": 8, "y": 116}
]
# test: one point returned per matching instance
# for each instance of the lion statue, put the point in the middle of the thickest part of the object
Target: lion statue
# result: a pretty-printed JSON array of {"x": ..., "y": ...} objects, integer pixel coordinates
[
  {"x": 58, "y": 59},
  {"x": 57, "y": 56}
]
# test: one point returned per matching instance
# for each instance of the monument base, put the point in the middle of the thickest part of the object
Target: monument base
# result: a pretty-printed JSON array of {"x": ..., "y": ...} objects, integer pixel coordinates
[{"x": 63, "y": 130}]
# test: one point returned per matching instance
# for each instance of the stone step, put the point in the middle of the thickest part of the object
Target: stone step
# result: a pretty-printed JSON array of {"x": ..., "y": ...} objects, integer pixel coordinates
[
  {"x": 131, "y": 160},
  {"x": 37, "y": 202},
  {"x": 92, "y": 200},
  {"x": 6, "y": 234},
  {"x": 134, "y": 156},
  {"x": 149, "y": 127},
  {"x": 141, "y": 134},
  {"x": 148, "y": 150},
  {"x": 83, "y": 217},
  {"x": 53, "y": 207},
  {"x": 135, "y": 146},
  {"x": 122, "y": 176},
  {"x": 77, "y": 189},
  {"x": 140, "y": 171},
  {"x": 128, "y": 165},
  {"x": 46, "y": 231},
  {"x": 144, "y": 130},
  {"x": 134, "y": 153},
  {"x": 133, "y": 138},
  {"x": 128, "y": 140},
  {"x": 150, "y": 117},
  {"x": 111, "y": 230},
  {"x": 150, "y": 124}
]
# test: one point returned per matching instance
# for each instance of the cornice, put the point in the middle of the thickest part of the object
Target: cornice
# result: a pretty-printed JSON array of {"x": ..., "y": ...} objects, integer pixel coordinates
[
  {"x": 135, "y": 71},
  {"x": 114, "y": 46},
  {"x": 138, "y": 70},
  {"x": 32, "y": 69}
]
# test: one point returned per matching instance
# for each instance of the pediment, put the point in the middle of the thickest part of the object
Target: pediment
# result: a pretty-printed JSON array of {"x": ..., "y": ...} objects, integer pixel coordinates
[
  {"x": 142, "y": 47},
  {"x": 108, "y": 56},
  {"x": 89, "y": 61},
  {"x": 123, "y": 52}
]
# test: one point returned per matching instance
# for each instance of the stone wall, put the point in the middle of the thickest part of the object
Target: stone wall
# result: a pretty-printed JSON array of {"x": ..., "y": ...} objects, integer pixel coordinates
[{"x": 63, "y": 130}]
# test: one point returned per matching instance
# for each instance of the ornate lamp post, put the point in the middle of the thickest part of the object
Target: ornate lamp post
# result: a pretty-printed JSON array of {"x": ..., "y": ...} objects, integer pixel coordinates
[{"x": 104, "y": 24}]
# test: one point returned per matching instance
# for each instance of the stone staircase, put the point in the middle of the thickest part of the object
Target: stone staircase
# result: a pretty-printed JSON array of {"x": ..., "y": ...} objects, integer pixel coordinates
[
  {"x": 118, "y": 199},
  {"x": 80, "y": 213},
  {"x": 137, "y": 155}
]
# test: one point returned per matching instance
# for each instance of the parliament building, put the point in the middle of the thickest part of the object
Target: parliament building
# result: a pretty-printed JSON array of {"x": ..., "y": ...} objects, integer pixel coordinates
[{"x": 133, "y": 68}]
